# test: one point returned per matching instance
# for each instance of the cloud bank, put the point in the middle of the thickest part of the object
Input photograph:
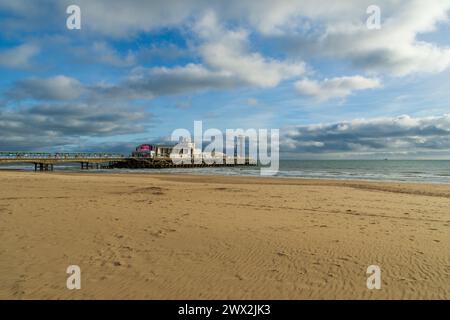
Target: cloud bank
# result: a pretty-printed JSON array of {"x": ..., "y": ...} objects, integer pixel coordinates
[
  {"x": 403, "y": 135},
  {"x": 52, "y": 126},
  {"x": 339, "y": 87}
]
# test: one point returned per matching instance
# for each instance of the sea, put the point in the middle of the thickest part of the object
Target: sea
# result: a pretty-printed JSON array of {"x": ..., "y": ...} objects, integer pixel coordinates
[{"x": 427, "y": 171}]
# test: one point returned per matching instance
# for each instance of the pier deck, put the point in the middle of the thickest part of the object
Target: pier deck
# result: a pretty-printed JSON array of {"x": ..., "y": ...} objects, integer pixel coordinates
[{"x": 47, "y": 161}]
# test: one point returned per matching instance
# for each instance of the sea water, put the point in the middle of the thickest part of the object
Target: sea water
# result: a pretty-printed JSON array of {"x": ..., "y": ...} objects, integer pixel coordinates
[{"x": 434, "y": 171}]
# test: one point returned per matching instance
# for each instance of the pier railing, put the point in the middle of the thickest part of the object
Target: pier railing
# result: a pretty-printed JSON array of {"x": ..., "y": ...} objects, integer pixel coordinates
[
  {"x": 44, "y": 161},
  {"x": 4, "y": 155}
]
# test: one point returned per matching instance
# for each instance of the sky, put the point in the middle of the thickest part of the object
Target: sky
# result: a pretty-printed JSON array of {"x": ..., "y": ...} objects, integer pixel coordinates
[{"x": 335, "y": 86}]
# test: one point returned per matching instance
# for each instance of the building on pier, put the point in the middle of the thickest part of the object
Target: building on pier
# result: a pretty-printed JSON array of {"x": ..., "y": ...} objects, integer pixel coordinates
[
  {"x": 144, "y": 151},
  {"x": 184, "y": 149}
]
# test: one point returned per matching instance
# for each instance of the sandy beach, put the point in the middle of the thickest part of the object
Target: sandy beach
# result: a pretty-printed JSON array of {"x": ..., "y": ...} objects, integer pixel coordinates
[{"x": 210, "y": 237}]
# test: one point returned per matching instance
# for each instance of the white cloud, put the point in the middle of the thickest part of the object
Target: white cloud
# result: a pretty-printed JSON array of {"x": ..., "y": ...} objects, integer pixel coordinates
[
  {"x": 339, "y": 87},
  {"x": 227, "y": 63},
  {"x": 395, "y": 49},
  {"x": 222, "y": 33},
  {"x": 403, "y": 134},
  {"x": 54, "y": 88},
  {"x": 108, "y": 55},
  {"x": 228, "y": 51},
  {"x": 142, "y": 83},
  {"x": 62, "y": 124},
  {"x": 18, "y": 57},
  {"x": 306, "y": 27},
  {"x": 150, "y": 82}
]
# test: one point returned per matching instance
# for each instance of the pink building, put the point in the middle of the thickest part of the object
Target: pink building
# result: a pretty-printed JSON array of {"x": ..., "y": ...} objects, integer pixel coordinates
[{"x": 144, "y": 150}]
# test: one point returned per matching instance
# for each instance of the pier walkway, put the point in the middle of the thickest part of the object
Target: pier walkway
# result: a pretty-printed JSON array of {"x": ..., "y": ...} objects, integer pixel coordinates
[{"x": 43, "y": 161}]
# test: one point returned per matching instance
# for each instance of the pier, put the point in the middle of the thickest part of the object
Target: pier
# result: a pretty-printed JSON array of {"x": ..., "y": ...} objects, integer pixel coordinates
[
  {"x": 47, "y": 161},
  {"x": 166, "y": 162},
  {"x": 44, "y": 161}
]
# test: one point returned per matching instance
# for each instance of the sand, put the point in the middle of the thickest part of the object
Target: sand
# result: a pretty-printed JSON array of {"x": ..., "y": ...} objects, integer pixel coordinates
[{"x": 208, "y": 237}]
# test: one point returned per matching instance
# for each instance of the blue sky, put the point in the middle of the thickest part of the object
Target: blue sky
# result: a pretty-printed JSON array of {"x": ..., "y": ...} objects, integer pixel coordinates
[{"x": 137, "y": 70}]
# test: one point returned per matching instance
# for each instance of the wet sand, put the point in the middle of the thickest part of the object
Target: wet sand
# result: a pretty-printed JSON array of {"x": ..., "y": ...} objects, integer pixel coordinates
[{"x": 166, "y": 236}]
